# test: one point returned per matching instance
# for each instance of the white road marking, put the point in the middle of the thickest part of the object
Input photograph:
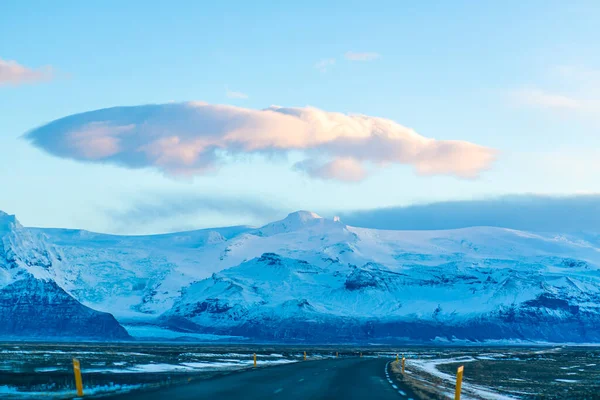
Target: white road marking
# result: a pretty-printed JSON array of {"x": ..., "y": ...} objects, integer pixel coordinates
[
  {"x": 278, "y": 391},
  {"x": 387, "y": 375},
  {"x": 301, "y": 379}
]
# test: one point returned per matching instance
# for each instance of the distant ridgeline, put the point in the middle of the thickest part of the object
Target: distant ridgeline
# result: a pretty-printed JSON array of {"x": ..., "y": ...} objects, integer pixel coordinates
[{"x": 304, "y": 278}]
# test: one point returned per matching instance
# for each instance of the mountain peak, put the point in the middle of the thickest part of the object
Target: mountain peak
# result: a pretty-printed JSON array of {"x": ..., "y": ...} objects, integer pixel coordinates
[
  {"x": 8, "y": 222},
  {"x": 302, "y": 216},
  {"x": 293, "y": 222}
]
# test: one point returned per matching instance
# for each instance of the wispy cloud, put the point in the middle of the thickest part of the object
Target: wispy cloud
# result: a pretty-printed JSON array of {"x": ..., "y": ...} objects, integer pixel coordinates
[
  {"x": 579, "y": 75},
  {"x": 578, "y": 91},
  {"x": 235, "y": 95},
  {"x": 191, "y": 138},
  {"x": 541, "y": 98},
  {"x": 154, "y": 212},
  {"x": 325, "y": 64},
  {"x": 13, "y": 73},
  {"x": 341, "y": 169},
  {"x": 366, "y": 56}
]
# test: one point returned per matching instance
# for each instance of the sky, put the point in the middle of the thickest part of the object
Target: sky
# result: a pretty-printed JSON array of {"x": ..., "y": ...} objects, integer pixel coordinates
[{"x": 182, "y": 115}]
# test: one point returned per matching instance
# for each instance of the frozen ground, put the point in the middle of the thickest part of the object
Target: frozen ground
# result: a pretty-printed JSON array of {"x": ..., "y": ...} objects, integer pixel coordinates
[
  {"x": 28, "y": 371},
  {"x": 508, "y": 373}
]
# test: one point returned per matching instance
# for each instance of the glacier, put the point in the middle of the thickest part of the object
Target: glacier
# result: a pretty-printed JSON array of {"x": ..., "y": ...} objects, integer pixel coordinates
[{"x": 304, "y": 278}]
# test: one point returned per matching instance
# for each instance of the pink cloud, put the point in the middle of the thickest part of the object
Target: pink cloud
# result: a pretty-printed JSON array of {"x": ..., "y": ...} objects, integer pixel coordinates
[
  {"x": 189, "y": 138},
  {"x": 13, "y": 73}
]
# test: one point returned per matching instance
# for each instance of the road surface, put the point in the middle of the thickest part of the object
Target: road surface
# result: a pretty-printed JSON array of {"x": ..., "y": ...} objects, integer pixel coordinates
[{"x": 343, "y": 378}]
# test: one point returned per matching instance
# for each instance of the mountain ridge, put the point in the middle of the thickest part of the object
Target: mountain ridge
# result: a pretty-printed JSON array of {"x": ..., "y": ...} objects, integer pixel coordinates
[{"x": 304, "y": 274}]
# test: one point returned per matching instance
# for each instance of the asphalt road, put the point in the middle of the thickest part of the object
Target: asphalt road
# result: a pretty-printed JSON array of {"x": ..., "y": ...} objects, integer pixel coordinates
[{"x": 343, "y": 378}]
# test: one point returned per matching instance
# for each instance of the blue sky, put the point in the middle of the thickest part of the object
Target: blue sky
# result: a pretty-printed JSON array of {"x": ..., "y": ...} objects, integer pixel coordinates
[{"x": 521, "y": 78}]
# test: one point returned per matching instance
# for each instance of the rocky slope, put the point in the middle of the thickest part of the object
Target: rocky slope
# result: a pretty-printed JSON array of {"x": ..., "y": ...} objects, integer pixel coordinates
[{"x": 36, "y": 308}]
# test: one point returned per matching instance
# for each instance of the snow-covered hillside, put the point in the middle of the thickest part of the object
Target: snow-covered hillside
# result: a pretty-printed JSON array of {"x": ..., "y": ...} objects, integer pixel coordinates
[{"x": 311, "y": 278}]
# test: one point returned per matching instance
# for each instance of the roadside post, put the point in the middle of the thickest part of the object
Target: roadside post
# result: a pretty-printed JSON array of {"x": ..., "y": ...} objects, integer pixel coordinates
[
  {"x": 403, "y": 362},
  {"x": 459, "y": 377},
  {"x": 254, "y": 360},
  {"x": 304, "y": 356},
  {"x": 77, "y": 372}
]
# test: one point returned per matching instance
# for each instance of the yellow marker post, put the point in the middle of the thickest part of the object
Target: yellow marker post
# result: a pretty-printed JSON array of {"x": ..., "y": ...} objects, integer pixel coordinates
[
  {"x": 304, "y": 356},
  {"x": 78, "y": 382},
  {"x": 459, "y": 376},
  {"x": 254, "y": 360},
  {"x": 403, "y": 362}
]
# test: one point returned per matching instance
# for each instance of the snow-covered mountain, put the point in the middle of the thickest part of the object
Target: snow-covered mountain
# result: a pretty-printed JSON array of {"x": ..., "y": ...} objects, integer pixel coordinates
[
  {"x": 31, "y": 303},
  {"x": 311, "y": 278}
]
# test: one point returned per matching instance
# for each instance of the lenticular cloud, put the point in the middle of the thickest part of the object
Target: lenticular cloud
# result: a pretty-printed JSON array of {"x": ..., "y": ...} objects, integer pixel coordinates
[{"x": 190, "y": 138}]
